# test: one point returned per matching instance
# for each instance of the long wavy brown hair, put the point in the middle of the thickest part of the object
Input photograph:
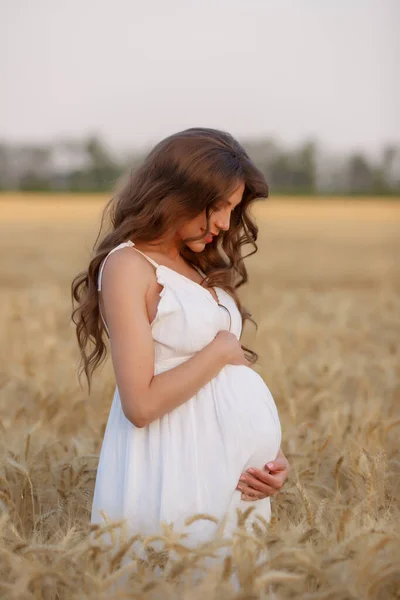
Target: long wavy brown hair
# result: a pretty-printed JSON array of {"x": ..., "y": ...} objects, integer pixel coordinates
[{"x": 185, "y": 174}]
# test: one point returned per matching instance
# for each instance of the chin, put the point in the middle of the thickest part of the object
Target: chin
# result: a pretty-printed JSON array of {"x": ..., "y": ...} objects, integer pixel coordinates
[{"x": 196, "y": 246}]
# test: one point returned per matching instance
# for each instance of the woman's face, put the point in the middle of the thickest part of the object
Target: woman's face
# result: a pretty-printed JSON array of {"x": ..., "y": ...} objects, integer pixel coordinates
[{"x": 219, "y": 221}]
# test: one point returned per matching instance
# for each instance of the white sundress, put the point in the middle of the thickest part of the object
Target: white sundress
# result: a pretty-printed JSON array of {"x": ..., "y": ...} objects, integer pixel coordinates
[{"x": 189, "y": 461}]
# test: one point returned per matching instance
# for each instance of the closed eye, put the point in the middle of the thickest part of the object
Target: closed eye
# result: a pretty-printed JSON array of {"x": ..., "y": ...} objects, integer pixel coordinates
[{"x": 222, "y": 206}]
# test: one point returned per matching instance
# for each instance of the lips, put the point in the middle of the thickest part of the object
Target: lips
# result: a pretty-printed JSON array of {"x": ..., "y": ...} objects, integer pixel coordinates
[{"x": 209, "y": 237}]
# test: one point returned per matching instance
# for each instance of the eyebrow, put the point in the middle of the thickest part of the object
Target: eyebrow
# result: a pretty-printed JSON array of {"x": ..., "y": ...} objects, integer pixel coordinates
[
  {"x": 235, "y": 206},
  {"x": 229, "y": 203}
]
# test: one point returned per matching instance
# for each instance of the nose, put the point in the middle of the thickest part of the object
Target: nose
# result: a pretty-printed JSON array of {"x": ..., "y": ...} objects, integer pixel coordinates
[{"x": 222, "y": 222}]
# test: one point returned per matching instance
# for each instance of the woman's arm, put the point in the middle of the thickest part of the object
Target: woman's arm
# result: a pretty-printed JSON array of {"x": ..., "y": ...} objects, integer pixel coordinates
[{"x": 145, "y": 397}]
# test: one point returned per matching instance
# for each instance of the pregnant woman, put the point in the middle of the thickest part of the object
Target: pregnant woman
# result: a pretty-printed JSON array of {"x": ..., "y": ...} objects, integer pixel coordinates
[{"x": 189, "y": 415}]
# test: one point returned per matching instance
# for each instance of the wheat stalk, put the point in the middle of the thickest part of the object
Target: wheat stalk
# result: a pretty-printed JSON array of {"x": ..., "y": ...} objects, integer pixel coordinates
[{"x": 307, "y": 504}]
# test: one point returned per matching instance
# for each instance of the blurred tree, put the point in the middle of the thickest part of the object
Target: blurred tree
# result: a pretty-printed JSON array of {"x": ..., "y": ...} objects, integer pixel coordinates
[
  {"x": 301, "y": 169},
  {"x": 290, "y": 172},
  {"x": 279, "y": 173},
  {"x": 360, "y": 174},
  {"x": 390, "y": 167},
  {"x": 35, "y": 164},
  {"x": 4, "y": 167},
  {"x": 88, "y": 165},
  {"x": 103, "y": 169}
]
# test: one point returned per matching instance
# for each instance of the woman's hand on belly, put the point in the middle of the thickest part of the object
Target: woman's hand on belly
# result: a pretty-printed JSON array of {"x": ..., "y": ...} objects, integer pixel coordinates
[{"x": 256, "y": 484}]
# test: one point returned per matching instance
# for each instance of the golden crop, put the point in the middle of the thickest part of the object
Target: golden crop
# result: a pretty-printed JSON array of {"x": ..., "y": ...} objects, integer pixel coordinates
[{"x": 324, "y": 289}]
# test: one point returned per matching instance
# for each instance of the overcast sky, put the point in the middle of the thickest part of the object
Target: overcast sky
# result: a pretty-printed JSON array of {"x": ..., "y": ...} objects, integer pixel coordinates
[{"x": 137, "y": 71}]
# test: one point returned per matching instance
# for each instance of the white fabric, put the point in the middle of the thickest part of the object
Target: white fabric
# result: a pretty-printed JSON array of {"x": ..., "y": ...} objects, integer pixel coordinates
[{"x": 190, "y": 460}]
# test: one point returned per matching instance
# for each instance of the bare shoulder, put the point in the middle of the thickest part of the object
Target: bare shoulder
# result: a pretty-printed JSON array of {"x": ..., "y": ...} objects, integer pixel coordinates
[{"x": 128, "y": 268}]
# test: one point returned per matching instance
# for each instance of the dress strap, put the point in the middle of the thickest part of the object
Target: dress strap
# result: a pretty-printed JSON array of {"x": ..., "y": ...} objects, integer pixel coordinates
[
  {"x": 199, "y": 270},
  {"x": 123, "y": 245},
  {"x": 131, "y": 244},
  {"x": 105, "y": 260},
  {"x": 153, "y": 262}
]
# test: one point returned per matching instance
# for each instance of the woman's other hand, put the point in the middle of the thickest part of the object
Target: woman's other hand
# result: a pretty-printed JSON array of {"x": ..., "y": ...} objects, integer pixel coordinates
[
  {"x": 256, "y": 484},
  {"x": 230, "y": 348}
]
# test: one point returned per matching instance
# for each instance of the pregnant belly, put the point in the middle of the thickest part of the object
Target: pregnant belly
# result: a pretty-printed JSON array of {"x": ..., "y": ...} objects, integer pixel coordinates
[{"x": 248, "y": 414}]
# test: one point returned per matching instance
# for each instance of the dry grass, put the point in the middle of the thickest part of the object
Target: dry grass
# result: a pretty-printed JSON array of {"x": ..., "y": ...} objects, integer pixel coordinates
[{"x": 324, "y": 289}]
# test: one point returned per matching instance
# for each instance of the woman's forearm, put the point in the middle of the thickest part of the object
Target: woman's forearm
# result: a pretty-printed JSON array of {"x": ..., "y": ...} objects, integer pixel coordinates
[{"x": 172, "y": 388}]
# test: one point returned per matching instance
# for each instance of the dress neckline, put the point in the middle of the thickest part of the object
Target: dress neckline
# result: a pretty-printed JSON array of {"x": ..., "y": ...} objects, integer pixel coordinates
[
  {"x": 158, "y": 266},
  {"x": 195, "y": 283}
]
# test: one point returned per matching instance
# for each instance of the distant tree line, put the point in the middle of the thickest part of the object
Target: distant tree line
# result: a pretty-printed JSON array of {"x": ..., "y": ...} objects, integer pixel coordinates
[{"x": 89, "y": 165}]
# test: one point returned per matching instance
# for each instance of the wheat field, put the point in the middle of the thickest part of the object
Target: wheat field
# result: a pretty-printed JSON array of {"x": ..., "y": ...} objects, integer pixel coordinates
[{"x": 324, "y": 289}]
